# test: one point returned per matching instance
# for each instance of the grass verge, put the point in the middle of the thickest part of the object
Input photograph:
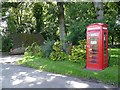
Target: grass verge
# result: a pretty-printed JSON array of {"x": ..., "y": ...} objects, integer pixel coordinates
[{"x": 109, "y": 75}]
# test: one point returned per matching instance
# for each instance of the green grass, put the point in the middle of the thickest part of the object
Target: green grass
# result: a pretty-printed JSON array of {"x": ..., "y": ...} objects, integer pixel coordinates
[
  {"x": 109, "y": 75},
  {"x": 114, "y": 56}
]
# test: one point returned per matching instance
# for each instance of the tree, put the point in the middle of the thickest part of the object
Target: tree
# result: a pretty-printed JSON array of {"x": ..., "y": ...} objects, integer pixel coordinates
[
  {"x": 21, "y": 14},
  {"x": 61, "y": 24},
  {"x": 99, "y": 9},
  {"x": 50, "y": 20},
  {"x": 61, "y": 21},
  {"x": 77, "y": 17},
  {"x": 37, "y": 13},
  {"x": 111, "y": 11},
  {"x": 10, "y": 19},
  {"x": 11, "y": 24},
  {"x": 107, "y": 13}
]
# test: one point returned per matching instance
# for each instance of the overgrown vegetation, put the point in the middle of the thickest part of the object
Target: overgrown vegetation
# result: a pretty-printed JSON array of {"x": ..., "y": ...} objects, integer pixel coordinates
[
  {"x": 47, "y": 47},
  {"x": 114, "y": 56},
  {"x": 34, "y": 50},
  {"x": 6, "y": 43},
  {"x": 42, "y": 17},
  {"x": 78, "y": 53},
  {"x": 57, "y": 53},
  {"x": 73, "y": 65},
  {"x": 62, "y": 23}
]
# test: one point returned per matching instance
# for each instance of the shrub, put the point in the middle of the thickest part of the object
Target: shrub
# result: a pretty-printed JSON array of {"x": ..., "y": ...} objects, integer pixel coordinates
[
  {"x": 57, "y": 46},
  {"x": 58, "y": 56},
  {"x": 78, "y": 53},
  {"x": 6, "y": 43},
  {"x": 47, "y": 48},
  {"x": 34, "y": 50},
  {"x": 82, "y": 44},
  {"x": 28, "y": 51},
  {"x": 57, "y": 53}
]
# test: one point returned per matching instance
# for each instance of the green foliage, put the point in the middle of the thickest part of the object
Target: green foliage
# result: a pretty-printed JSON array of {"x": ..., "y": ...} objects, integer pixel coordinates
[
  {"x": 11, "y": 24},
  {"x": 81, "y": 14},
  {"x": 6, "y": 43},
  {"x": 82, "y": 44},
  {"x": 111, "y": 10},
  {"x": 78, "y": 53},
  {"x": 50, "y": 28},
  {"x": 24, "y": 15},
  {"x": 37, "y": 10},
  {"x": 114, "y": 57},
  {"x": 57, "y": 54},
  {"x": 6, "y": 5},
  {"x": 108, "y": 75},
  {"x": 57, "y": 46},
  {"x": 34, "y": 50},
  {"x": 21, "y": 16},
  {"x": 10, "y": 4},
  {"x": 24, "y": 18},
  {"x": 37, "y": 13},
  {"x": 47, "y": 48}
]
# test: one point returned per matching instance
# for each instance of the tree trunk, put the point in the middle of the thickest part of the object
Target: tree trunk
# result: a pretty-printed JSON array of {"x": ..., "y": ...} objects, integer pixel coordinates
[
  {"x": 99, "y": 9},
  {"x": 61, "y": 24}
]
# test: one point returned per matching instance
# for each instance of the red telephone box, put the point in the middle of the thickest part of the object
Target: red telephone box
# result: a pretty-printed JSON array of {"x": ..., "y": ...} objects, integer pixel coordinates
[{"x": 97, "y": 46}]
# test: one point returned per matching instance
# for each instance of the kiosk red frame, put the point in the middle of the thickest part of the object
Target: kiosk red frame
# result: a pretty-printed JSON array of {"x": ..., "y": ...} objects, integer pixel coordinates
[{"x": 97, "y": 46}]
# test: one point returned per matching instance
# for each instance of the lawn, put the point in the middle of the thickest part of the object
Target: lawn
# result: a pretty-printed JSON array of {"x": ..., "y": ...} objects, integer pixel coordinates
[{"x": 109, "y": 75}]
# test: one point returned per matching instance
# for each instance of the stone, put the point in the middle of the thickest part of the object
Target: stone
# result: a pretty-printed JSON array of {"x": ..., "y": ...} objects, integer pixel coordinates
[{"x": 19, "y": 50}]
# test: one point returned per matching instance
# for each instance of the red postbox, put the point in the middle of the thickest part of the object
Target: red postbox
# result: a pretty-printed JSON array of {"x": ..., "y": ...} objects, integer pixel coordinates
[{"x": 97, "y": 46}]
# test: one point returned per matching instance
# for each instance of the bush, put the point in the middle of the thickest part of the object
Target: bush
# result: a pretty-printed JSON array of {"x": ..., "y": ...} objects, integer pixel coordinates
[
  {"x": 82, "y": 44},
  {"x": 57, "y": 53},
  {"x": 78, "y": 53},
  {"x": 58, "y": 56},
  {"x": 34, "y": 50},
  {"x": 57, "y": 46},
  {"x": 6, "y": 43},
  {"x": 47, "y": 48}
]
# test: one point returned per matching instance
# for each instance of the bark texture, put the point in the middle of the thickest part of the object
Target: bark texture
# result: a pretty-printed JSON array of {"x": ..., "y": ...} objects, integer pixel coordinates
[
  {"x": 99, "y": 9},
  {"x": 61, "y": 24}
]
